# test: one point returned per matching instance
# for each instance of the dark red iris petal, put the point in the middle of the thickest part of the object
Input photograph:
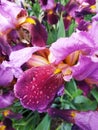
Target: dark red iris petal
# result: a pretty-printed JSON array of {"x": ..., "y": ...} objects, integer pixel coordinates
[{"x": 37, "y": 87}]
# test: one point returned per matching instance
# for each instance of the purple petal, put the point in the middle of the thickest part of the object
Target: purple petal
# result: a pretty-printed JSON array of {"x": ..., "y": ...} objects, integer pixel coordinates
[
  {"x": 79, "y": 70},
  {"x": 52, "y": 17},
  {"x": 65, "y": 46},
  {"x": 87, "y": 120},
  {"x": 6, "y": 76},
  {"x": 95, "y": 17},
  {"x": 93, "y": 32},
  {"x": 66, "y": 115},
  {"x": 84, "y": 87},
  {"x": 6, "y": 99},
  {"x": 10, "y": 13},
  {"x": 75, "y": 127},
  {"x": 37, "y": 87},
  {"x": 5, "y": 47},
  {"x": 19, "y": 57},
  {"x": 93, "y": 77},
  {"x": 38, "y": 34},
  {"x": 47, "y": 4},
  {"x": 8, "y": 123}
]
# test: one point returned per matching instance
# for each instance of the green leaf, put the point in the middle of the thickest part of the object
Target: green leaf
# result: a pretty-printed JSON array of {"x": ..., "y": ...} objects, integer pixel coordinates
[
  {"x": 45, "y": 124},
  {"x": 84, "y": 103},
  {"x": 61, "y": 28},
  {"x": 64, "y": 126},
  {"x": 94, "y": 92},
  {"x": 72, "y": 90}
]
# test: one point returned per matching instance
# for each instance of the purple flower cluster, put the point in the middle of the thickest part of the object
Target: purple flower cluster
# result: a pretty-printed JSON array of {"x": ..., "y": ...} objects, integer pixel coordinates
[{"x": 34, "y": 73}]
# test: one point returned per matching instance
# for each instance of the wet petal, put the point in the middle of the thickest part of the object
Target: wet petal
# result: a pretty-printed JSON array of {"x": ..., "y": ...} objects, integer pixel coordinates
[
  {"x": 6, "y": 99},
  {"x": 37, "y": 87}
]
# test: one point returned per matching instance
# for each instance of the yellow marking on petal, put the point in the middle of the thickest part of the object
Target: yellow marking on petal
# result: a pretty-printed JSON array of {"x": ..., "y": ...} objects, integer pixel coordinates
[
  {"x": 89, "y": 26},
  {"x": 67, "y": 72},
  {"x": 6, "y": 113},
  {"x": 69, "y": 18},
  {"x": 50, "y": 11},
  {"x": 57, "y": 71},
  {"x": 93, "y": 7},
  {"x": 2, "y": 127},
  {"x": 72, "y": 58},
  {"x": 73, "y": 114},
  {"x": 30, "y": 20}
]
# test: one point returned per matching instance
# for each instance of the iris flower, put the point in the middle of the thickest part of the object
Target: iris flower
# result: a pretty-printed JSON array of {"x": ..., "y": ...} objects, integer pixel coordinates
[
  {"x": 18, "y": 29},
  {"x": 84, "y": 120},
  {"x": 66, "y": 58},
  {"x": 77, "y": 10},
  {"x": 85, "y": 43}
]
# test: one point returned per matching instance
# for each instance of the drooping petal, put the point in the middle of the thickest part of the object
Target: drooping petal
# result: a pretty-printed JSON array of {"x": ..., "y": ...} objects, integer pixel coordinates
[
  {"x": 52, "y": 17},
  {"x": 38, "y": 34},
  {"x": 37, "y": 31},
  {"x": 6, "y": 99},
  {"x": 37, "y": 87}
]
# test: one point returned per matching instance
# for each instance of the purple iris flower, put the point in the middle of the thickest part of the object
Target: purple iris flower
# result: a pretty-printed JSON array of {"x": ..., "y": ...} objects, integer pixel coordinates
[
  {"x": 86, "y": 45},
  {"x": 84, "y": 120},
  {"x": 66, "y": 56},
  {"x": 77, "y": 10}
]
